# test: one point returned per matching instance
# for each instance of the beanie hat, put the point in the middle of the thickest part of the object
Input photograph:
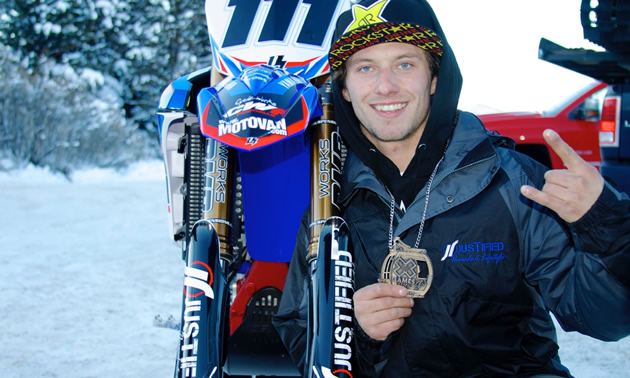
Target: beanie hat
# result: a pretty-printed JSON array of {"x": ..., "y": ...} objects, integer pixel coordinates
[{"x": 371, "y": 22}]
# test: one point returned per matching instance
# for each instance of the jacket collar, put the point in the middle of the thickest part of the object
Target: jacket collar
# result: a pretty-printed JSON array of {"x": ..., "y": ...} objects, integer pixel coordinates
[{"x": 469, "y": 147}]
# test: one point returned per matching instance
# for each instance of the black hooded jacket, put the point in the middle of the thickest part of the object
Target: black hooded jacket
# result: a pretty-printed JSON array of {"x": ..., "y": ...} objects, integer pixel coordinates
[{"x": 501, "y": 263}]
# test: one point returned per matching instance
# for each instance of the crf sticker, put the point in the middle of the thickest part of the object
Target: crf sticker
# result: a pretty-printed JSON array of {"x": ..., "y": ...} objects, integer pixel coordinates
[{"x": 254, "y": 105}]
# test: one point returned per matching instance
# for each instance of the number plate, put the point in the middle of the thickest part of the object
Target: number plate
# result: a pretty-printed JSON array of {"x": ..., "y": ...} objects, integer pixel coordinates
[{"x": 290, "y": 34}]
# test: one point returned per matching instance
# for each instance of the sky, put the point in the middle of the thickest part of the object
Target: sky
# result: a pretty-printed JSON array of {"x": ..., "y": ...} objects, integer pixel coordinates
[{"x": 496, "y": 45}]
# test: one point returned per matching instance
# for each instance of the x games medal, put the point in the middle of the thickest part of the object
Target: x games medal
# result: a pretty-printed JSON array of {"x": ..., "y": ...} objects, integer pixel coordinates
[{"x": 404, "y": 266}]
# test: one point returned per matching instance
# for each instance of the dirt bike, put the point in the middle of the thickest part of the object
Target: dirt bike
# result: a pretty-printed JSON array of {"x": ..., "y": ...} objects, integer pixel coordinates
[{"x": 249, "y": 144}]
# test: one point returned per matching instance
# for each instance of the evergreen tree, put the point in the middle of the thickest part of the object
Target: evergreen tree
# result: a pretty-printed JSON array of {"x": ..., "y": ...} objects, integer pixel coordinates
[
  {"x": 70, "y": 59},
  {"x": 143, "y": 44}
]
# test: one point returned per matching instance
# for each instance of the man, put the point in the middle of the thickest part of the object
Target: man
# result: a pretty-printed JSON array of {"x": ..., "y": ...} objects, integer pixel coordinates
[{"x": 422, "y": 179}]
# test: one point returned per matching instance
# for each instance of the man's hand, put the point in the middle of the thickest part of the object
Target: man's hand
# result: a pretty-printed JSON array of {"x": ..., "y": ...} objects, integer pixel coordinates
[
  {"x": 381, "y": 309},
  {"x": 569, "y": 192}
]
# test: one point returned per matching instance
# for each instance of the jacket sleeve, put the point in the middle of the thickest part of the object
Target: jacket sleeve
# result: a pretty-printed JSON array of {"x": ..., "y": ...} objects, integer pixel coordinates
[
  {"x": 291, "y": 319},
  {"x": 605, "y": 230},
  {"x": 371, "y": 354},
  {"x": 578, "y": 269}
]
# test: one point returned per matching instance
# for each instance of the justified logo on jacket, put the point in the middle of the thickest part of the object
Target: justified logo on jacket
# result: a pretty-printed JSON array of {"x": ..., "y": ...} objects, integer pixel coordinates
[{"x": 474, "y": 252}]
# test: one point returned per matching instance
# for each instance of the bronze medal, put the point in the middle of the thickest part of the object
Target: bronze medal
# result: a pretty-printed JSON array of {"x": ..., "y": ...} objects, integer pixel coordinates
[{"x": 403, "y": 266}]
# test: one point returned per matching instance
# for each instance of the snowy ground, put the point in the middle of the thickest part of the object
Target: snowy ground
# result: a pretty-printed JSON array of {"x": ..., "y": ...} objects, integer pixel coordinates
[{"x": 84, "y": 267}]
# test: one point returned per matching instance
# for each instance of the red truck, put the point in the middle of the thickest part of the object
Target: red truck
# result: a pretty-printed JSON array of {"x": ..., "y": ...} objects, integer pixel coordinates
[
  {"x": 576, "y": 120},
  {"x": 605, "y": 23}
]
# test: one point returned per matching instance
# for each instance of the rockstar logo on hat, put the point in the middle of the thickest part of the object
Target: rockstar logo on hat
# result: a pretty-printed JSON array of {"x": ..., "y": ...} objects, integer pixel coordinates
[
  {"x": 366, "y": 16},
  {"x": 368, "y": 27}
]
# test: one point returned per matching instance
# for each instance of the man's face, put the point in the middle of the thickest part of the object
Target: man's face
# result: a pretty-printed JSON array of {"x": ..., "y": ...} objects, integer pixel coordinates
[{"x": 390, "y": 87}]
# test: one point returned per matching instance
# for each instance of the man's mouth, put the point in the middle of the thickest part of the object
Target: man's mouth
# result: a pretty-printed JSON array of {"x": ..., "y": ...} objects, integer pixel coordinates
[{"x": 389, "y": 107}]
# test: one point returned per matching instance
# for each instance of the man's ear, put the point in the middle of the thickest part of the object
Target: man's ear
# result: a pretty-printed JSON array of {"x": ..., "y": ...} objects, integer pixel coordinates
[
  {"x": 346, "y": 96},
  {"x": 434, "y": 84}
]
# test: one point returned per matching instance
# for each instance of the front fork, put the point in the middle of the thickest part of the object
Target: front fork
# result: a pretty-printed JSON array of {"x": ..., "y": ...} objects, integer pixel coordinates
[
  {"x": 209, "y": 253},
  {"x": 329, "y": 255},
  {"x": 204, "y": 322}
]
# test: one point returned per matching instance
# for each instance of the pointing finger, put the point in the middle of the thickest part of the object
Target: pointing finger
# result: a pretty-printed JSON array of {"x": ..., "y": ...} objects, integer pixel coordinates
[{"x": 569, "y": 157}]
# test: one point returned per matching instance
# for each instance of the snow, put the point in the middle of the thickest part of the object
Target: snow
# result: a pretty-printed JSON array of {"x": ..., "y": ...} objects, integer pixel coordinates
[
  {"x": 84, "y": 269},
  {"x": 47, "y": 28},
  {"x": 87, "y": 264},
  {"x": 94, "y": 79}
]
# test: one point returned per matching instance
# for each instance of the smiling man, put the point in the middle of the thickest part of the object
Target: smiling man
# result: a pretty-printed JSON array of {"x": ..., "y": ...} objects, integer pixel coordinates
[
  {"x": 390, "y": 86},
  {"x": 462, "y": 247}
]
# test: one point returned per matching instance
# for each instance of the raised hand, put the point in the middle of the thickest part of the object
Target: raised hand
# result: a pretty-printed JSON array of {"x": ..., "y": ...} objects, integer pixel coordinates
[
  {"x": 569, "y": 192},
  {"x": 381, "y": 309}
]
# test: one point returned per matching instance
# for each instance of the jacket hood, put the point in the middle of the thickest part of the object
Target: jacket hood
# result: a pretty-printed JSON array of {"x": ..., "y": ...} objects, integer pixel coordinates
[{"x": 440, "y": 124}]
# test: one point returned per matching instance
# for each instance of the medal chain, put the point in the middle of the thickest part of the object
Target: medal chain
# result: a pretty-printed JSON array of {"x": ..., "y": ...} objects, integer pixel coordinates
[{"x": 424, "y": 213}]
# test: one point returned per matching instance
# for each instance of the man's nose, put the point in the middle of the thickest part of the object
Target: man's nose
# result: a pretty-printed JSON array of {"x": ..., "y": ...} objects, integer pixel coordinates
[{"x": 387, "y": 82}]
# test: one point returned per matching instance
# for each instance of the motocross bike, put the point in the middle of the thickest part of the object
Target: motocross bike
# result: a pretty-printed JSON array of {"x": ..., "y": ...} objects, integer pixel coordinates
[{"x": 249, "y": 144}]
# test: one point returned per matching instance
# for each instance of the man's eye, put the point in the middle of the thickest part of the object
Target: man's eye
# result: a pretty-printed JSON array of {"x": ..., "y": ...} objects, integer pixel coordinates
[
  {"x": 405, "y": 65},
  {"x": 364, "y": 69}
]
